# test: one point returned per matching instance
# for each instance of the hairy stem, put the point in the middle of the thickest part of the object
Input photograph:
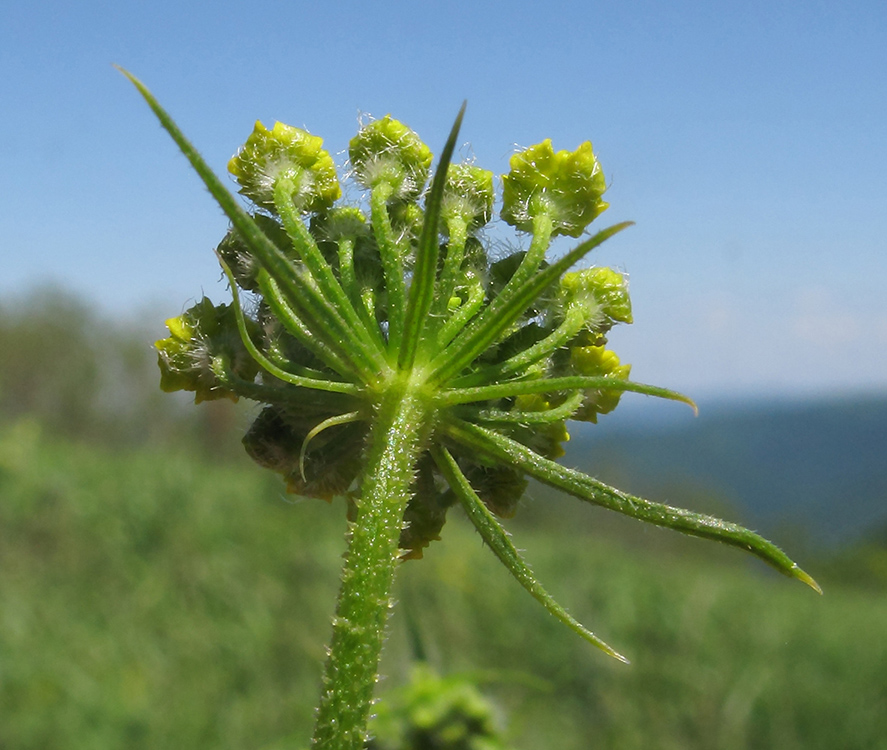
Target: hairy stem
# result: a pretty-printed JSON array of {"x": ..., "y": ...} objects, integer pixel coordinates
[{"x": 352, "y": 666}]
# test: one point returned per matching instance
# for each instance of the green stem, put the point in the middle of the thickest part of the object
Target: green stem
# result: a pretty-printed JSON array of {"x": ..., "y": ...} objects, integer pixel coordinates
[
  {"x": 397, "y": 441},
  {"x": 390, "y": 254},
  {"x": 458, "y": 231}
]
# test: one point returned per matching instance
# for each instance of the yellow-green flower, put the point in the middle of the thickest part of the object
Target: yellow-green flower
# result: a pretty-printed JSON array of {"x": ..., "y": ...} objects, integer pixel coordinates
[
  {"x": 597, "y": 361},
  {"x": 388, "y": 153},
  {"x": 566, "y": 185},
  {"x": 203, "y": 341},
  {"x": 291, "y": 154},
  {"x": 468, "y": 195}
]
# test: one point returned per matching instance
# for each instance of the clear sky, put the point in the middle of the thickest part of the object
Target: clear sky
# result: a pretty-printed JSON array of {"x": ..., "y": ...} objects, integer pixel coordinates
[{"x": 747, "y": 139}]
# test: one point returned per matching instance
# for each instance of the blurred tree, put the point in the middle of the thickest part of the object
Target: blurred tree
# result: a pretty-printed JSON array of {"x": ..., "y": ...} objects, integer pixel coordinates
[
  {"x": 49, "y": 367},
  {"x": 84, "y": 377}
]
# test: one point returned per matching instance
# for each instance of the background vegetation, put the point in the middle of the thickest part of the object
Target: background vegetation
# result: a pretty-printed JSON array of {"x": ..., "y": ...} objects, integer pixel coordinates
[{"x": 158, "y": 590}]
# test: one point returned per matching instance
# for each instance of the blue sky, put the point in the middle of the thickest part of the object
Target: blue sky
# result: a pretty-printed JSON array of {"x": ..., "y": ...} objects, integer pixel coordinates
[{"x": 748, "y": 140}]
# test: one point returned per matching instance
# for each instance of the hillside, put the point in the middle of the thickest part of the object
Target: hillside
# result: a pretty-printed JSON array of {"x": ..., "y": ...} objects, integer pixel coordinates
[
  {"x": 819, "y": 467},
  {"x": 154, "y": 600}
]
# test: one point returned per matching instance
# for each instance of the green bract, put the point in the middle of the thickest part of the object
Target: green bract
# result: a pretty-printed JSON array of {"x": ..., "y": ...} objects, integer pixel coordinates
[{"x": 404, "y": 366}]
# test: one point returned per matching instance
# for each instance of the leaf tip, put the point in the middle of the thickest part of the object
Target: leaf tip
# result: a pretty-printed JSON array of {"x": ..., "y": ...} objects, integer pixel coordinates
[
  {"x": 620, "y": 657},
  {"x": 691, "y": 403},
  {"x": 124, "y": 71},
  {"x": 796, "y": 572},
  {"x": 605, "y": 647},
  {"x": 143, "y": 90}
]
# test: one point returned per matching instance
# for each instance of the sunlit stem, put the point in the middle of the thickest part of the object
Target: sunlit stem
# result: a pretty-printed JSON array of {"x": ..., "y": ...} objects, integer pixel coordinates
[
  {"x": 299, "y": 329},
  {"x": 322, "y": 273},
  {"x": 350, "y": 675},
  {"x": 368, "y": 300},
  {"x": 356, "y": 293},
  {"x": 461, "y": 315},
  {"x": 346, "y": 267},
  {"x": 458, "y": 231},
  {"x": 324, "y": 384},
  {"x": 392, "y": 263},
  {"x": 542, "y": 229}
]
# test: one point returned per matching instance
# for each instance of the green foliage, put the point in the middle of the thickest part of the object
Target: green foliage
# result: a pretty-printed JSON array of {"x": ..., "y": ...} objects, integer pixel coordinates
[
  {"x": 149, "y": 600},
  {"x": 154, "y": 600}
]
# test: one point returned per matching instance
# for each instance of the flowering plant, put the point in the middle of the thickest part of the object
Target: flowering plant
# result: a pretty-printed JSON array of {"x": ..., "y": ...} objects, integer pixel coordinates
[{"x": 404, "y": 367}]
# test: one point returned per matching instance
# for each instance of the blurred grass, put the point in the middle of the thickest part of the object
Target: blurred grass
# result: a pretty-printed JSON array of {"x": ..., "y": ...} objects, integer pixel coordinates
[{"x": 151, "y": 599}]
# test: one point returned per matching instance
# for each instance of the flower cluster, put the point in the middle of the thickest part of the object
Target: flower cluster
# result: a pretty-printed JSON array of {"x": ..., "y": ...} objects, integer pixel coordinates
[
  {"x": 402, "y": 366},
  {"x": 314, "y": 436},
  {"x": 352, "y": 304},
  {"x": 566, "y": 185}
]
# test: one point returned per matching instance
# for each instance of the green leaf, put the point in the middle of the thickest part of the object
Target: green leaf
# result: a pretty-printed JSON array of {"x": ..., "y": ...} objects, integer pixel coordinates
[
  {"x": 500, "y": 448},
  {"x": 511, "y": 388},
  {"x": 494, "y": 535},
  {"x": 422, "y": 287}
]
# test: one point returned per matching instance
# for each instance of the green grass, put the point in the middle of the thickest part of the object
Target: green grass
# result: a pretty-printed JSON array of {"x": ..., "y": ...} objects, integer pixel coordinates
[{"x": 151, "y": 600}]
